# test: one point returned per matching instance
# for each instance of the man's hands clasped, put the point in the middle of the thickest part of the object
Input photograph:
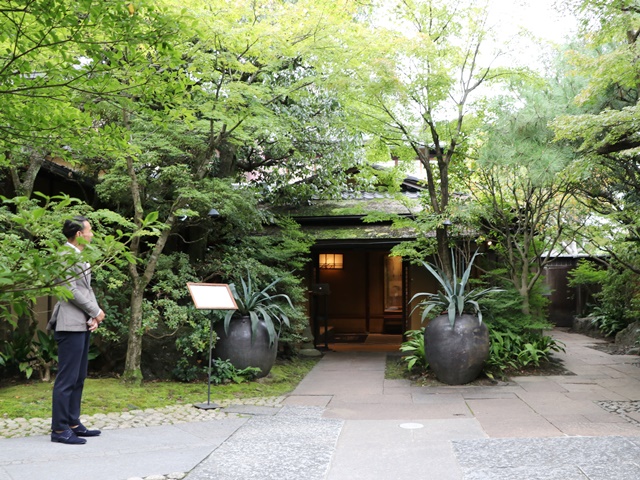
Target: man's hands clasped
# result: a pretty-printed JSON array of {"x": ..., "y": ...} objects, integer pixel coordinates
[{"x": 94, "y": 322}]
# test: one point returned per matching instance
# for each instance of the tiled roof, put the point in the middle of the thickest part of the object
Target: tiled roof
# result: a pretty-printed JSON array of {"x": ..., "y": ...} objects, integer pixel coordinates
[
  {"x": 359, "y": 204},
  {"x": 361, "y": 232}
]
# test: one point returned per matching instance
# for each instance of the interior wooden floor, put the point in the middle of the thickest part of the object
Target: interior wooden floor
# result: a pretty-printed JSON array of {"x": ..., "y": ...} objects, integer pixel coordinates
[{"x": 375, "y": 342}]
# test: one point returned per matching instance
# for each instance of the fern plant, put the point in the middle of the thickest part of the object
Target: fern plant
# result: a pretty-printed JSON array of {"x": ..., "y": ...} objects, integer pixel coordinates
[{"x": 414, "y": 350}]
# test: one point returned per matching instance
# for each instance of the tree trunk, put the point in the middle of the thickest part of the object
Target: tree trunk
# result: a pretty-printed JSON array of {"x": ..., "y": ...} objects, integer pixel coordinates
[
  {"x": 524, "y": 289},
  {"x": 526, "y": 307},
  {"x": 442, "y": 237},
  {"x": 25, "y": 186},
  {"x": 133, "y": 370},
  {"x": 132, "y": 367}
]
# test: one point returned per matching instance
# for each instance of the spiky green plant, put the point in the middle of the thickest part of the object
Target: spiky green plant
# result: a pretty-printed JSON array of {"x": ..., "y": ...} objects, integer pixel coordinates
[
  {"x": 454, "y": 296},
  {"x": 259, "y": 304}
]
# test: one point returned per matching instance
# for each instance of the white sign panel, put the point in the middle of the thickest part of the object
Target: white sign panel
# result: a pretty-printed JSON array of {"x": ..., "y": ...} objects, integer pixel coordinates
[{"x": 212, "y": 296}]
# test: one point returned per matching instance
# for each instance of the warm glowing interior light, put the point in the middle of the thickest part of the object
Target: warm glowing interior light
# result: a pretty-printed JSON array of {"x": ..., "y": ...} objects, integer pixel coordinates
[{"x": 332, "y": 261}]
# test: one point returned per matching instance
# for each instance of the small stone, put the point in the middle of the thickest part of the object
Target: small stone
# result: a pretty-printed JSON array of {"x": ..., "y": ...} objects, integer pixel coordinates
[
  {"x": 155, "y": 477},
  {"x": 176, "y": 476}
]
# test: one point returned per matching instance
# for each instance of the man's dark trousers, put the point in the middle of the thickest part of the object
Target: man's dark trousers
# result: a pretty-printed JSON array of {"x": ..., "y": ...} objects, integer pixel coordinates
[{"x": 73, "y": 354}]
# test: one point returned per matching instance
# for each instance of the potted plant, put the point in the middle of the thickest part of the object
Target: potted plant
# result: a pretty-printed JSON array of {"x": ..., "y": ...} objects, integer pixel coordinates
[
  {"x": 248, "y": 336},
  {"x": 457, "y": 342}
]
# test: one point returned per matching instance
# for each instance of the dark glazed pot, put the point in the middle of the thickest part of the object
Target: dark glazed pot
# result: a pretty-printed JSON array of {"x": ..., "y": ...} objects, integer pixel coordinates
[
  {"x": 456, "y": 355},
  {"x": 241, "y": 350}
]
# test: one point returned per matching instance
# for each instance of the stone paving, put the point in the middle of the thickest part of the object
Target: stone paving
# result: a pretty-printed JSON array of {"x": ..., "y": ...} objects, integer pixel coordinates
[
  {"x": 171, "y": 415},
  {"x": 530, "y": 428},
  {"x": 346, "y": 421},
  {"x": 266, "y": 407}
]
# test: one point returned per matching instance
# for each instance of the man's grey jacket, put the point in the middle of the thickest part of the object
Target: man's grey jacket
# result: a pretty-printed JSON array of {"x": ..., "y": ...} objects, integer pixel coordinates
[{"x": 71, "y": 315}]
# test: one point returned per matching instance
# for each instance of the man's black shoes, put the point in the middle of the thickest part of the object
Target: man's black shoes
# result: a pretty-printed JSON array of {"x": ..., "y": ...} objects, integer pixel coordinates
[
  {"x": 71, "y": 436},
  {"x": 82, "y": 431},
  {"x": 67, "y": 436}
]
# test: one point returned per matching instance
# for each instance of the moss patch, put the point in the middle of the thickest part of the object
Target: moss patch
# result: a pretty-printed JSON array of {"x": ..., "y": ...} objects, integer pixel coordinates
[{"x": 105, "y": 395}]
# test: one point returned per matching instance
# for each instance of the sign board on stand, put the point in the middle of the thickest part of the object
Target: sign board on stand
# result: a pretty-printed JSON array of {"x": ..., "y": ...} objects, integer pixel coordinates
[{"x": 211, "y": 296}]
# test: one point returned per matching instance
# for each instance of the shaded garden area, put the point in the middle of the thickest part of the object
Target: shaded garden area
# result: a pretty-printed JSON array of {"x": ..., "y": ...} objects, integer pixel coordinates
[{"x": 184, "y": 131}]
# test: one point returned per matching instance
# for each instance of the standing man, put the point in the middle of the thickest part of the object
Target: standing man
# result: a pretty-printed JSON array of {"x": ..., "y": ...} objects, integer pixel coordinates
[{"x": 72, "y": 321}]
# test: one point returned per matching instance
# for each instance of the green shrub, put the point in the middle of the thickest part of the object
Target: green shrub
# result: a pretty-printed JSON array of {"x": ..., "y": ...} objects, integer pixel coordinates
[
  {"x": 279, "y": 252},
  {"x": 517, "y": 340},
  {"x": 29, "y": 352},
  {"x": 16, "y": 353},
  {"x": 414, "y": 348},
  {"x": 168, "y": 310},
  {"x": 185, "y": 371},
  {"x": 503, "y": 310},
  {"x": 222, "y": 371},
  {"x": 607, "y": 321},
  {"x": 514, "y": 351},
  {"x": 615, "y": 291},
  {"x": 587, "y": 273}
]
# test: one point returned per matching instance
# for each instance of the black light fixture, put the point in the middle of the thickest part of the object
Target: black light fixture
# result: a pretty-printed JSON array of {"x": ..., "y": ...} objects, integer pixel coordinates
[{"x": 213, "y": 213}]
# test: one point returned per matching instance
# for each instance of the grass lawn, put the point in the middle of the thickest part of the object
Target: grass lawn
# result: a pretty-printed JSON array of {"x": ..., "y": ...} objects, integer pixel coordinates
[{"x": 105, "y": 395}]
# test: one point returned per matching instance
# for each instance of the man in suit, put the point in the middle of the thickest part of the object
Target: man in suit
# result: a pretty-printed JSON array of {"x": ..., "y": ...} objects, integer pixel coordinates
[{"x": 73, "y": 320}]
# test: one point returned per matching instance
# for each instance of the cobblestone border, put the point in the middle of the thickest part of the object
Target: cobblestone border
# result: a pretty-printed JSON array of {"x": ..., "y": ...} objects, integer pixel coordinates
[
  {"x": 171, "y": 415},
  {"x": 622, "y": 409}
]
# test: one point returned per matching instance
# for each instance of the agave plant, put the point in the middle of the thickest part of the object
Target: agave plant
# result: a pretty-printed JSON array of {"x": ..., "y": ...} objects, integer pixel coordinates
[
  {"x": 454, "y": 297},
  {"x": 259, "y": 304}
]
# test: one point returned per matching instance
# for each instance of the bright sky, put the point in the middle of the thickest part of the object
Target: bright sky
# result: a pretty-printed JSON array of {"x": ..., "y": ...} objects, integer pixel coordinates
[
  {"x": 537, "y": 16},
  {"x": 511, "y": 17}
]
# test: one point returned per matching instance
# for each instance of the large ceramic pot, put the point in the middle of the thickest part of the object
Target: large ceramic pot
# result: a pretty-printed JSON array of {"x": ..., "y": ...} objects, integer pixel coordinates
[
  {"x": 241, "y": 349},
  {"x": 456, "y": 354}
]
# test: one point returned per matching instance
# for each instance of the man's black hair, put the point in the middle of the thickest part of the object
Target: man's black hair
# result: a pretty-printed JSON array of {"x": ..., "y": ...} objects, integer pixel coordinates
[{"x": 73, "y": 226}]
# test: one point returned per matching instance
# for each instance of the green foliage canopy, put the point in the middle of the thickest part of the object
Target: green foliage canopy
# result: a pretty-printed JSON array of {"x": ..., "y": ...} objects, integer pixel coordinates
[{"x": 57, "y": 54}]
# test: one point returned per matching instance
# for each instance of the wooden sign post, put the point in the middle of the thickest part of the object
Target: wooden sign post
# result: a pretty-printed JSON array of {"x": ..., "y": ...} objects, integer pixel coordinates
[{"x": 211, "y": 296}]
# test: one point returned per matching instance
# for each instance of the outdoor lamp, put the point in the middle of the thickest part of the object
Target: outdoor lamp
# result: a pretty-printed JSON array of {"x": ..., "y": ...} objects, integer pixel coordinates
[{"x": 331, "y": 261}]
